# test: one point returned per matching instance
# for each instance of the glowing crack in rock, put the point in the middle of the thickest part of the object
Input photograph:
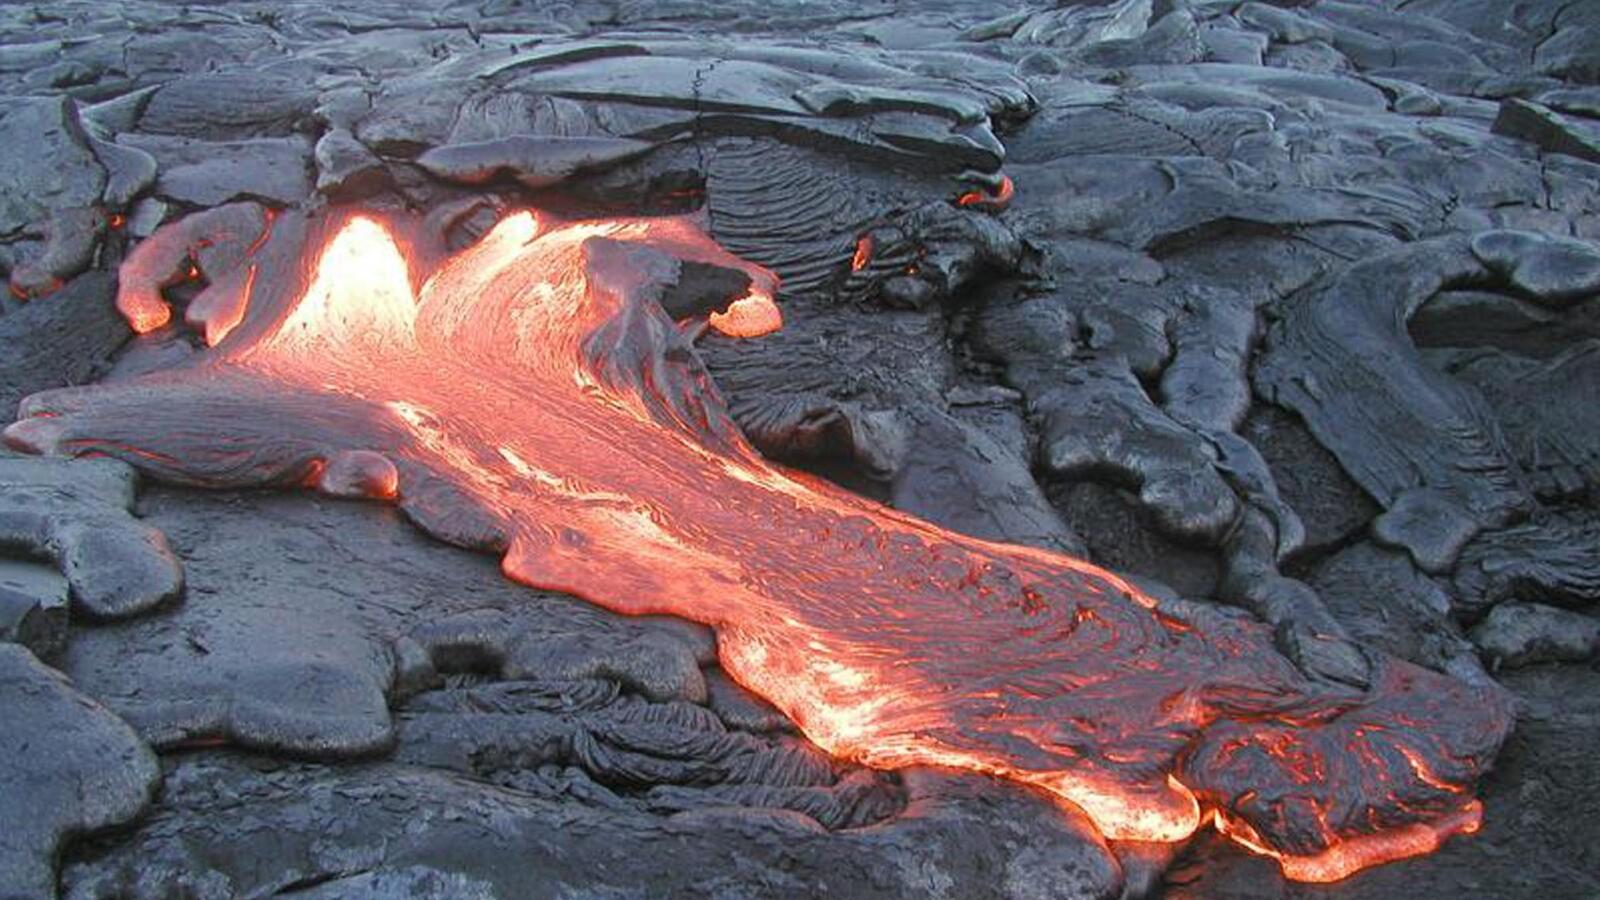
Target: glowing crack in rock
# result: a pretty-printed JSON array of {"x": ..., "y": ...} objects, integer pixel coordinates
[{"x": 530, "y": 396}]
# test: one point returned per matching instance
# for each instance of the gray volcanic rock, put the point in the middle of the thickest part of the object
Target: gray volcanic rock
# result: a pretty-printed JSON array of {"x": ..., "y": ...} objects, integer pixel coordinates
[
  {"x": 129, "y": 171},
  {"x": 652, "y": 661},
  {"x": 1557, "y": 444},
  {"x": 346, "y": 168},
  {"x": 33, "y": 607},
  {"x": 235, "y": 104},
  {"x": 1428, "y": 525},
  {"x": 1396, "y": 426},
  {"x": 1552, "y": 270},
  {"x": 67, "y": 337},
  {"x": 534, "y": 162},
  {"x": 208, "y": 173},
  {"x": 1469, "y": 319},
  {"x": 1521, "y": 634},
  {"x": 1386, "y": 602},
  {"x": 70, "y": 238},
  {"x": 1331, "y": 505},
  {"x": 251, "y": 657},
  {"x": 1551, "y": 130},
  {"x": 1122, "y": 536},
  {"x": 1554, "y": 559},
  {"x": 373, "y": 830},
  {"x": 67, "y": 767},
  {"x": 76, "y": 513},
  {"x": 49, "y": 164},
  {"x": 1304, "y": 286},
  {"x": 1098, "y": 418}
]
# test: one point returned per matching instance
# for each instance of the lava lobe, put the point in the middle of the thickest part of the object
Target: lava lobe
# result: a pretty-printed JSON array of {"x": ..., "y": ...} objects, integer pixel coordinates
[{"x": 529, "y": 395}]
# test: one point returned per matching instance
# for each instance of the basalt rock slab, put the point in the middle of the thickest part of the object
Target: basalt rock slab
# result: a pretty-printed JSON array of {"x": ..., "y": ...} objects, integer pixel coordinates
[
  {"x": 1123, "y": 536},
  {"x": 1331, "y": 506},
  {"x": 33, "y": 607},
  {"x": 678, "y": 753},
  {"x": 1207, "y": 385},
  {"x": 67, "y": 767},
  {"x": 1386, "y": 602},
  {"x": 1428, "y": 525},
  {"x": 210, "y": 173},
  {"x": 1469, "y": 319},
  {"x": 129, "y": 172},
  {"x": 370, "y": 830},
  {"x": 346, "y": 168},
  {"x": 1521, "y": 634},
  {"x": 1085, "y": 420},
  {"x": 740, "y": 709},
  {"x": 650, "y": 661},
  {"x": 253, "y": 662},
  {"x": 1341, "y": 359},
  {"x": 68, "y": 337},
  {"x": 532, "y": 162},
  {"x": 946, "y": 459},
  {"x": 49, "y": 163},
  {"x": 230, "y": 104},
  {"x": 1073, "y": 356},
  {"x": 69, "y": 239},
  {"x": 871, "y": 390},
  {"x": 1549, "y": 129},
  {"x": 1557, "y": 443},
  {"x": 1554, "y": 559},
  {"x": 78, "y": 516},
  {"x": 1557, "y": 271}
]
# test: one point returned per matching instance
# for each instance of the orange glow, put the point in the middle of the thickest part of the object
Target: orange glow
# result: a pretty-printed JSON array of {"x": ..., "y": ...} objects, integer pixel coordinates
[
  {"x": 1353, "y": 854},
  {"x": 863, "y": 254},
  {"x": 534, "y": 375},
  {"x": 992, "y": 202},
  {"x": 50, "y": 287},
  {"x": 172, "y": 255},
  {"x": 752, "y": 315},
  {"x": 143, "y": 314}
]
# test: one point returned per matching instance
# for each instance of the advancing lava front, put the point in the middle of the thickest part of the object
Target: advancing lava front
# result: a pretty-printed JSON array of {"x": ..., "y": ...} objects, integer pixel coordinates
[{"x": 530, "y": 395}]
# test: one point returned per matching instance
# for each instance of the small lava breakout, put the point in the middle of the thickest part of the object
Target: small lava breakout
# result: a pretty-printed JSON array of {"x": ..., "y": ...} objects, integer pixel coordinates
[{"x": 531, "y": 396}]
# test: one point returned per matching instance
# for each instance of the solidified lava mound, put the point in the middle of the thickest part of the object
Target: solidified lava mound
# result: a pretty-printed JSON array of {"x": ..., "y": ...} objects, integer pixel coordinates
[{"x": 530, "y": 394}]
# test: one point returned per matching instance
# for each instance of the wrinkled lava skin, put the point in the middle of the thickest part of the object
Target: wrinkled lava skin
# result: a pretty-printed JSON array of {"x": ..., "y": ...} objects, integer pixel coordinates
[{"x": 530, "y": 396}]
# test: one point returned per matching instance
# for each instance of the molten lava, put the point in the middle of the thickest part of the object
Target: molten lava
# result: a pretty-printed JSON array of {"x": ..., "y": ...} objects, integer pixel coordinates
[
  {"x": 993, "y": 201},
  {"x": 531, "y": 396}
]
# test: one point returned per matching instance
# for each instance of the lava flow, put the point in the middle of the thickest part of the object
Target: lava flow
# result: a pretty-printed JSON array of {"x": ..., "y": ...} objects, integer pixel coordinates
[{"x": 531, "y": 396}]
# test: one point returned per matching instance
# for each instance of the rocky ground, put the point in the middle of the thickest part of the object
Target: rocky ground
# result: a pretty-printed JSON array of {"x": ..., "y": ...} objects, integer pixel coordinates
[{"x": 1296, "y": 308}]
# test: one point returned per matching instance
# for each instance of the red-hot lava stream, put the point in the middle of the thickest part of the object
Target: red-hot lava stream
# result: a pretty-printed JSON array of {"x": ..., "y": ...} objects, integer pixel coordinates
[{"x": 533, "y": 396}]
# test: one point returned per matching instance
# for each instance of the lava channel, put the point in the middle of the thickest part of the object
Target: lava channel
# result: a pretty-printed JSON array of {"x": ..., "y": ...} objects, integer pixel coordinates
[{"x": 529, "y": 395}]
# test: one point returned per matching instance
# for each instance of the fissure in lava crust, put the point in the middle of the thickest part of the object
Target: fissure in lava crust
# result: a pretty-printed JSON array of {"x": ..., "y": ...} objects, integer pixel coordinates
[{"x": 530, "y": 395}]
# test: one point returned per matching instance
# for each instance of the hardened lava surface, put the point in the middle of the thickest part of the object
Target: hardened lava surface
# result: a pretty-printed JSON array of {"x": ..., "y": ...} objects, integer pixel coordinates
[
  {"x": 1283, "y": 312},
  {"x": 534, "y": 384}
]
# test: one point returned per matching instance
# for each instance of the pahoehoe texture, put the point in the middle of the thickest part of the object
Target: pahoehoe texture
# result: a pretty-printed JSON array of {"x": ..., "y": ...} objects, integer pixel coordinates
[
  {"x": 1404, "y": 431},
  {"x": 569, "y": 313},
  {"x": 390, "y": 828},
  {"x": 67, "y": 766},
  {"x": 970, "y": 207},
  {"x": 77, "y": 515}
]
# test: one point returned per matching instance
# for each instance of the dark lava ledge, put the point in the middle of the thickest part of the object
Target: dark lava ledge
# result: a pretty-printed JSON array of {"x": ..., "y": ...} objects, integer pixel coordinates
[{"x": 1296, "y": 308}]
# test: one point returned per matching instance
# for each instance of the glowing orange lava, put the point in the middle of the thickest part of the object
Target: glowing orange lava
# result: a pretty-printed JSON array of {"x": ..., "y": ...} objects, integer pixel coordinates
[
  {"x": 752, "y": 315},
  {"x": 993, "y": 201},
  {"x": 863, "y": 255},
  {"x": 531, "y": 396}
]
